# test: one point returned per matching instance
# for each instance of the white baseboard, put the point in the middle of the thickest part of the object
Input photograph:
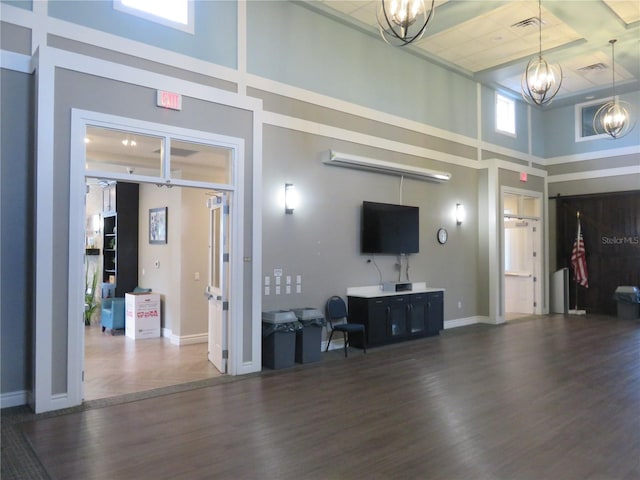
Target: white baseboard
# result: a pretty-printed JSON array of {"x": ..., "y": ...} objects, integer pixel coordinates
[
  {"x": 336, "y": 343},
  {"x": 185, "y": 339},
  {"x": 461, "y": 322},
  {"x": 14, "y": 399},
  {"x": 491, "y": 321}
]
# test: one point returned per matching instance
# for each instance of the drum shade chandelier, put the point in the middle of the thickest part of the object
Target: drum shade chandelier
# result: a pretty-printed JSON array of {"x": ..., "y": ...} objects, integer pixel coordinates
[
  {"x": 403, "y": 22},
  {"x": 540, "y": 81},
  {"x": 613, "y": 118}
]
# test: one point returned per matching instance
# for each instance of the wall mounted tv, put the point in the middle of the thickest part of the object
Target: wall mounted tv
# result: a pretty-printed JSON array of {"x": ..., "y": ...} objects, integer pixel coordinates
[{"x": 389, "y": 229}]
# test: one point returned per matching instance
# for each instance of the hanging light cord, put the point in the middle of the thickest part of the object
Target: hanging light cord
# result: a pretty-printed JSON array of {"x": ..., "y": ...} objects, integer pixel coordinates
[
  {"x": 613, "y": 68},
  {"x": 539, "y": 28}
]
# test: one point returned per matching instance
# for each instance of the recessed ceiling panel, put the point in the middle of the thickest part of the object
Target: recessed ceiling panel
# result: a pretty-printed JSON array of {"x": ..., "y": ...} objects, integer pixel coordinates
[
  {"x": 498, "y": 37},
  {"x": 628, "y": 11},
  {"x": 494, "y": 46}
]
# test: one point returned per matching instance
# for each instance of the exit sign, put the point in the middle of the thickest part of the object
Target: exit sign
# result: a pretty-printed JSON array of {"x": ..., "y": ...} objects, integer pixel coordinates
[{"x": 169, "y": 100}]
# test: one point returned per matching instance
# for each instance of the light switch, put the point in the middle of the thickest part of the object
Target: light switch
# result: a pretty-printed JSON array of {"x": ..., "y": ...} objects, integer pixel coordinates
[
  {"x": 267, "y": 280},
  {"x": 298, "y": 279},
  {"x": 267, "y": 290},
  {"x": 288, "y": 279},
  {"x": 277, "y": 280},
  {"x": 196, "y": 276},
  {"x": 288, "y": 289},
  {"x": 298, "y": 288},
  {"x": 278, "y": 290}
]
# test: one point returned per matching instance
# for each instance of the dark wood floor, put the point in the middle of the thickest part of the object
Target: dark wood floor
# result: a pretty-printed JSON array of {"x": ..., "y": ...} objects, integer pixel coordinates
[{"x": 551, "y": 398}]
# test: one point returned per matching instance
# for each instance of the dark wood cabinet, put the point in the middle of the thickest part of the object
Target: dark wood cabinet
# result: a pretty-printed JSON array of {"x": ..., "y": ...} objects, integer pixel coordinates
[
  {"x": 120, "y": 237},
  {"x": 396, "y": 318},
  {"x": 435, "y": 312}
]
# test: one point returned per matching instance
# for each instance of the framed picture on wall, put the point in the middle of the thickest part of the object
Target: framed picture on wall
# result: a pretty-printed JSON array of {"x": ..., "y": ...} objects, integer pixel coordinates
[{"x": 158, "y": 225}]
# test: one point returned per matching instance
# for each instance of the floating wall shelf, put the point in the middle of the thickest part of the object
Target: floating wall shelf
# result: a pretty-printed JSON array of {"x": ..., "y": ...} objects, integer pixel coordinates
[{"x": 390, "y": 168}]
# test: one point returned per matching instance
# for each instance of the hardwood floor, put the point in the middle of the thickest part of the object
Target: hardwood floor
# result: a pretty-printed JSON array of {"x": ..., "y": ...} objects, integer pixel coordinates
[
  {"x": 550, "y": 398},
  {"x": 116, "y": 365}
]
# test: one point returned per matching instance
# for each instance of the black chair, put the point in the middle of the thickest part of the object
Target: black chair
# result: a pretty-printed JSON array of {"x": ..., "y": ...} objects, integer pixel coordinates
[{"x": 337, "y": 310}]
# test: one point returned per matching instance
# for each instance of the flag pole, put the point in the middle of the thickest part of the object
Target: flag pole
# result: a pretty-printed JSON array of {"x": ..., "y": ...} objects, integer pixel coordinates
[
  {"x": 576, "y": 311},
  {"x": 577, "y": 235}
]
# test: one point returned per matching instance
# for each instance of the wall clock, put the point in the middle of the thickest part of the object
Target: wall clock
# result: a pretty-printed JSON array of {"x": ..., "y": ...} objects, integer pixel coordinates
[{"x": 442, "y": 236}]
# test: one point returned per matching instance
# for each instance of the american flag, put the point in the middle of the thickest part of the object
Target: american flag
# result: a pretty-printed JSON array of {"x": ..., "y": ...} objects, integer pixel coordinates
[{"x": 579, "y": 259}]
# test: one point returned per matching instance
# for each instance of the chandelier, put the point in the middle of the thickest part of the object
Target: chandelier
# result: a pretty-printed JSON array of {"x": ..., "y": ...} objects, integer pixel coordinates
[
  {"x": 540, "y": 81},
  {"x": 402, "y": 22},
  {"x": 613, "y": 118}
]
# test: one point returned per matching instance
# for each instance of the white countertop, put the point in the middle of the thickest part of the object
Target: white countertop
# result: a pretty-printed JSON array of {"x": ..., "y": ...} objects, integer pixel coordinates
[{"x": 373, "y": 291}]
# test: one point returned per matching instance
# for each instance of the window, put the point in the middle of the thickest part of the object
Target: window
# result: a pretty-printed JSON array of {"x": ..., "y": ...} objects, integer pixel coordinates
[
  {"x": 505, "y": 115},
  {"x": 584, "y": 114},
  {"x": 172, "y": 13}
]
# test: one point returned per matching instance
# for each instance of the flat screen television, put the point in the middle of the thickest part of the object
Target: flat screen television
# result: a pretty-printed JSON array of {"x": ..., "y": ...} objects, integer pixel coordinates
[{"x": 389, "y": 229}]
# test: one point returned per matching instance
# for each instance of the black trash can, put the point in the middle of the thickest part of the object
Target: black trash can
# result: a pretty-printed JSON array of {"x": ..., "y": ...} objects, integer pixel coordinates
[
  {"x": 279, "y": 339},
  {"x": 628, "y": 300},
  {"x": 309, "y": 337}
]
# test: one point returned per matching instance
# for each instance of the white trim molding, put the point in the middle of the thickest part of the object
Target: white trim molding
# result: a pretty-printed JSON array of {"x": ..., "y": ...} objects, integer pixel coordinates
[
  {"x": 463, "y": 322},
  {"x": 593, "y": 174},
  {"x": 16, "y": 62},
  {"x": 14, "y": 399},
  {"x": 581, "y": 157},
  {"x": 180, "y": 340}
]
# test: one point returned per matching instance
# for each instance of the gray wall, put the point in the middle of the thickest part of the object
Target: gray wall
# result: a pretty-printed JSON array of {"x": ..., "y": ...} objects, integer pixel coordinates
[
  {"x": 321, "y": 240},
  {"x": 17, "y": 171},
  {"x": 213, "y": 40},
  {"x": 319, "y": 53},
  {"x": 75, "y": 90}
]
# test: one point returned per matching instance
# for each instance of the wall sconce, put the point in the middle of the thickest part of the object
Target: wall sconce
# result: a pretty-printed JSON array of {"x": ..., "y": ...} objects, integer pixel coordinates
[
  {"x": 290, "y": 198},
  {"x": 460, "y": 214}
]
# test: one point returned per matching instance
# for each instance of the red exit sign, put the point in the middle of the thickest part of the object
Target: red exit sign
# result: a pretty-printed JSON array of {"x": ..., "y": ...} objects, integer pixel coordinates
[{"x": 169, "y": 100}]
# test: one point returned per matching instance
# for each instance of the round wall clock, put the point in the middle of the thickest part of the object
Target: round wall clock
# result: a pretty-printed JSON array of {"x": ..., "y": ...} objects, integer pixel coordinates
[{"x": 442, "y": 236}]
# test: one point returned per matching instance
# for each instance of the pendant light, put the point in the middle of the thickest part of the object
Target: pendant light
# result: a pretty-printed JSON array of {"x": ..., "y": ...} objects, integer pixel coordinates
[
  {"x": 540, "y": 81},
  {"x": 403, "y": 22},
  {"x": 613, "y": 118}
]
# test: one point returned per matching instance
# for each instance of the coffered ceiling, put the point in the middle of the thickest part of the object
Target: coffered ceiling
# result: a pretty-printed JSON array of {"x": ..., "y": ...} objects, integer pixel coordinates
[{"x": 492, "y": 41}]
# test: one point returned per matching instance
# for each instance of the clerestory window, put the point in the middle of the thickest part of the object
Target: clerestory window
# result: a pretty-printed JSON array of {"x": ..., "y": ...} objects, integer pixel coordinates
[{"x": 176, "y": 14}]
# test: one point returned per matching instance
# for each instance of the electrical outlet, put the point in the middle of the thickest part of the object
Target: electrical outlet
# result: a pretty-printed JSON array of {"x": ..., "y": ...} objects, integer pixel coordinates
[{"x": 459, "y": 304}]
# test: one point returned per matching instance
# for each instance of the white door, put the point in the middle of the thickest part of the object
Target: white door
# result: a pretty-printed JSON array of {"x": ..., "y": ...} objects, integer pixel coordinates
[
  {"x": 216, "y": 291},
  {"x": 519, "y": 266}
]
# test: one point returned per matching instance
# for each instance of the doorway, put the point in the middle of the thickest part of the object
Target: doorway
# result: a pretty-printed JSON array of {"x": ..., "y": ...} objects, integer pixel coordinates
[
  {"x": 175, "y": 174},
  {"x": 522, "y": 254}
]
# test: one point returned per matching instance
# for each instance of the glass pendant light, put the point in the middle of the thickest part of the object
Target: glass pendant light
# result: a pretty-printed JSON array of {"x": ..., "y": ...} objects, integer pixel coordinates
[
  {"x": 614, "y": 117},
  {"x": 403, "y": 22},
  {"x": 541, "y": 81}
]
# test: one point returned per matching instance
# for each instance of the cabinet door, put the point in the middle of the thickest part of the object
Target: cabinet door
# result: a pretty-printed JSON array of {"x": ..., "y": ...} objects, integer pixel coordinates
[
  {"x": 435, "y": 318},
  {"x": 377, "y": 321},
  {"x": 398, "y": 315},
  {"x": 418, "y": 314}
]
